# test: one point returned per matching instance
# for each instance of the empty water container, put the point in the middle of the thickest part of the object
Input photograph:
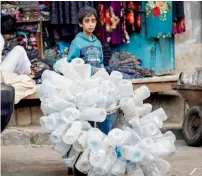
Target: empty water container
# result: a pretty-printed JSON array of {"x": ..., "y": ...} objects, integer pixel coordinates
[{"x": 73, "y": 132}]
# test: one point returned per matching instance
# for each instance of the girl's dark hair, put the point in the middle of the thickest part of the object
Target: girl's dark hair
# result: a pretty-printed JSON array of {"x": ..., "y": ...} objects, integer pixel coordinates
[
  {"x": 86, "y": 11},
  {"x": 8, "y": 24}
]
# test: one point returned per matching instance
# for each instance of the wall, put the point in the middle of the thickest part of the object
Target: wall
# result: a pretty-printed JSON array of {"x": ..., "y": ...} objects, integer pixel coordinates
[{"x": 188, "y": 46}]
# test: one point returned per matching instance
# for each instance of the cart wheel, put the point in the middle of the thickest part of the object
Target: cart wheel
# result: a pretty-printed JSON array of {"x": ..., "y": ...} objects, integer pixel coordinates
[{"x": 192, "y": 126}]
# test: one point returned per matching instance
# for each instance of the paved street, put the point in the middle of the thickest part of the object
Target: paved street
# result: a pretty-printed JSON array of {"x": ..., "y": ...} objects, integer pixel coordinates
[{"x": 43, "y": 161}]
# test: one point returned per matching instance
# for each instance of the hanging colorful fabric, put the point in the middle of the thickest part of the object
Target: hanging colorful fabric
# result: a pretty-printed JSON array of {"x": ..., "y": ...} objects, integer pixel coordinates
[
  {"x": 133, "y": 16},
  {"x": 159, "y": 19},
  {"x": 109, "y": 26}
]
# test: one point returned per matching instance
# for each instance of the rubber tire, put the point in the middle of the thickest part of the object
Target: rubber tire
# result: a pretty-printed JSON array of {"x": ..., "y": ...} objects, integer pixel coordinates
[{"x": 195, "y": 141}]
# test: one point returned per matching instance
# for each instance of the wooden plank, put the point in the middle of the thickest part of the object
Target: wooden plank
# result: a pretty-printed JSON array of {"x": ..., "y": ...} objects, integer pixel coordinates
[
  {"x": 157, "y": 86},
  {"x": 39, "y": 40},
  {"x": 28, "y": 21},
  {"x": 31, "y": 21},
  {"x": 156, "y": 79}
]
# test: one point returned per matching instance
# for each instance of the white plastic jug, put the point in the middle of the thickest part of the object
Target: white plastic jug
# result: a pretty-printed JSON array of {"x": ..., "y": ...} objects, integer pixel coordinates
[
  {"x": 73, "y": 132},
  {"x": 125, "y": 88},
  {"x": 129, "y": 109},
  {"x": 159, "y": 113},
  {"x": 143, "y": 92},
  {"x": 52, "y": 122},
  {"x": 62, "y": 148},
  {"x": 134, "y": 170},
  {"x": 132, "y": 153},
  {"x": 119, "y": 168},
  {"x": 70, "y": 114},
  {"x": 116, "y": 77},
  {"x": 115, "y": 136},
  {"x": 110, "y": 159},
  {"x": 56, "y": 135},
  {"x": 95, "y": 138},
  {"x": 144, "y": 109},
  {"x": 81, "y": 142},
  {"x": 72, "y": 157},
  {"x": 56, "y": 79},
  {"x": 97, "y": 158},
  {"x": 92, "y": 114},
  {"x": 67, "y": 69},
  {"x": 83, "y": 163}
]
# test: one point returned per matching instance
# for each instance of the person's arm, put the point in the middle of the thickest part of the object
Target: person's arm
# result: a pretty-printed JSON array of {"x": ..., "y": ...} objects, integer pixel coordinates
[{"x": 74, "y": 52}]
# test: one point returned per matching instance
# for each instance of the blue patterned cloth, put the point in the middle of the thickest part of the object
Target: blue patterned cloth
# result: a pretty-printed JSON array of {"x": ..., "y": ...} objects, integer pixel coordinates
[{"x": 158, "y": 19}]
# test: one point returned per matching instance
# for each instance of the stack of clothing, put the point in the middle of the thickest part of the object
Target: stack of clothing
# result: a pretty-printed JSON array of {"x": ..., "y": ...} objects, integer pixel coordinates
[
  {"x": 44, "y": 7},
  {"x": 52, "y": 56},
  {"x": 10, "y": 43},
  {"x": 9, "y": 7},
  {"x": 27, "y": 39},
  {"x": 29, "y": 10},
  {"x": 37, "y": 68},
  {"x": 129, "y": 65}
]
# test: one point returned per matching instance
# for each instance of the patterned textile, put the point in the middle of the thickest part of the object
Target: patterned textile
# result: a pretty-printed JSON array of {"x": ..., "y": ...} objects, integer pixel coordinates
[
  {"x": 29, "y": 10},
  {"x": 133, "y": 9},
  {"x": 129, "y": 65},
  {"x": 28, "y": 27},
  {"x": 124, "y": 33},
  {"x": 65, "y": 12},
  {"x": 159, "y": 19},
  {"x": 9, "y": 7},
  {"x": 37, "y": 66}
]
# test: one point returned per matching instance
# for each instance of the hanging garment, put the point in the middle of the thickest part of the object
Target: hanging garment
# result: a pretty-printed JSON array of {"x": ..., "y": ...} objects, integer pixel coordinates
[
  {"x": 133, "y": 16},
  {"x": 158, "y": 19},
  {"x": 104, "y": 23},
  {"x": 124, "y": 34},
  {"x": 109, "y": 26},
  {"x": 115, "y": 20},
  {"x": 178, "y": 17},
  {"x": 65, "y": 12}
]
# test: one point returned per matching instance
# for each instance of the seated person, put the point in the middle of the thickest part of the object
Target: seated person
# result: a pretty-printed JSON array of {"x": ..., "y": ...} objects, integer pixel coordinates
[
  {"x": 17, "y": 60},
  {"x": 15, "y": 67}
]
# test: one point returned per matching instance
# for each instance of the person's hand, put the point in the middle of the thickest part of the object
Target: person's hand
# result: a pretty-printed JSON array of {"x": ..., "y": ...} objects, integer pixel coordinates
[{"x": 99, "y": 69}]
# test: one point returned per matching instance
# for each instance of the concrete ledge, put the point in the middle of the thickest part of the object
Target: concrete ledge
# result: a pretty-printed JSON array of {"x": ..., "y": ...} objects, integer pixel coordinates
[{"x": 25, "y": 136}]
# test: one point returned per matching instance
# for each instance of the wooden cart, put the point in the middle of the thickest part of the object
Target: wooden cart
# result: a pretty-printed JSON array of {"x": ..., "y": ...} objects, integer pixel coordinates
[{"x": 192, "y": 124}]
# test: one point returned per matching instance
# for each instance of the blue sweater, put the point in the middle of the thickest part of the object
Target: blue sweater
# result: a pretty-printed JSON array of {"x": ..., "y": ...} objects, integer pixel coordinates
[{"x": 89, "y": 50}]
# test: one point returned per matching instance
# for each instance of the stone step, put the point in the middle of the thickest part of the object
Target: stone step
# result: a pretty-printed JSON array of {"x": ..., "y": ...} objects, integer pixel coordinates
[
  {"x": 25, "y": 135},
  {"x": 29, "y": 135}
]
